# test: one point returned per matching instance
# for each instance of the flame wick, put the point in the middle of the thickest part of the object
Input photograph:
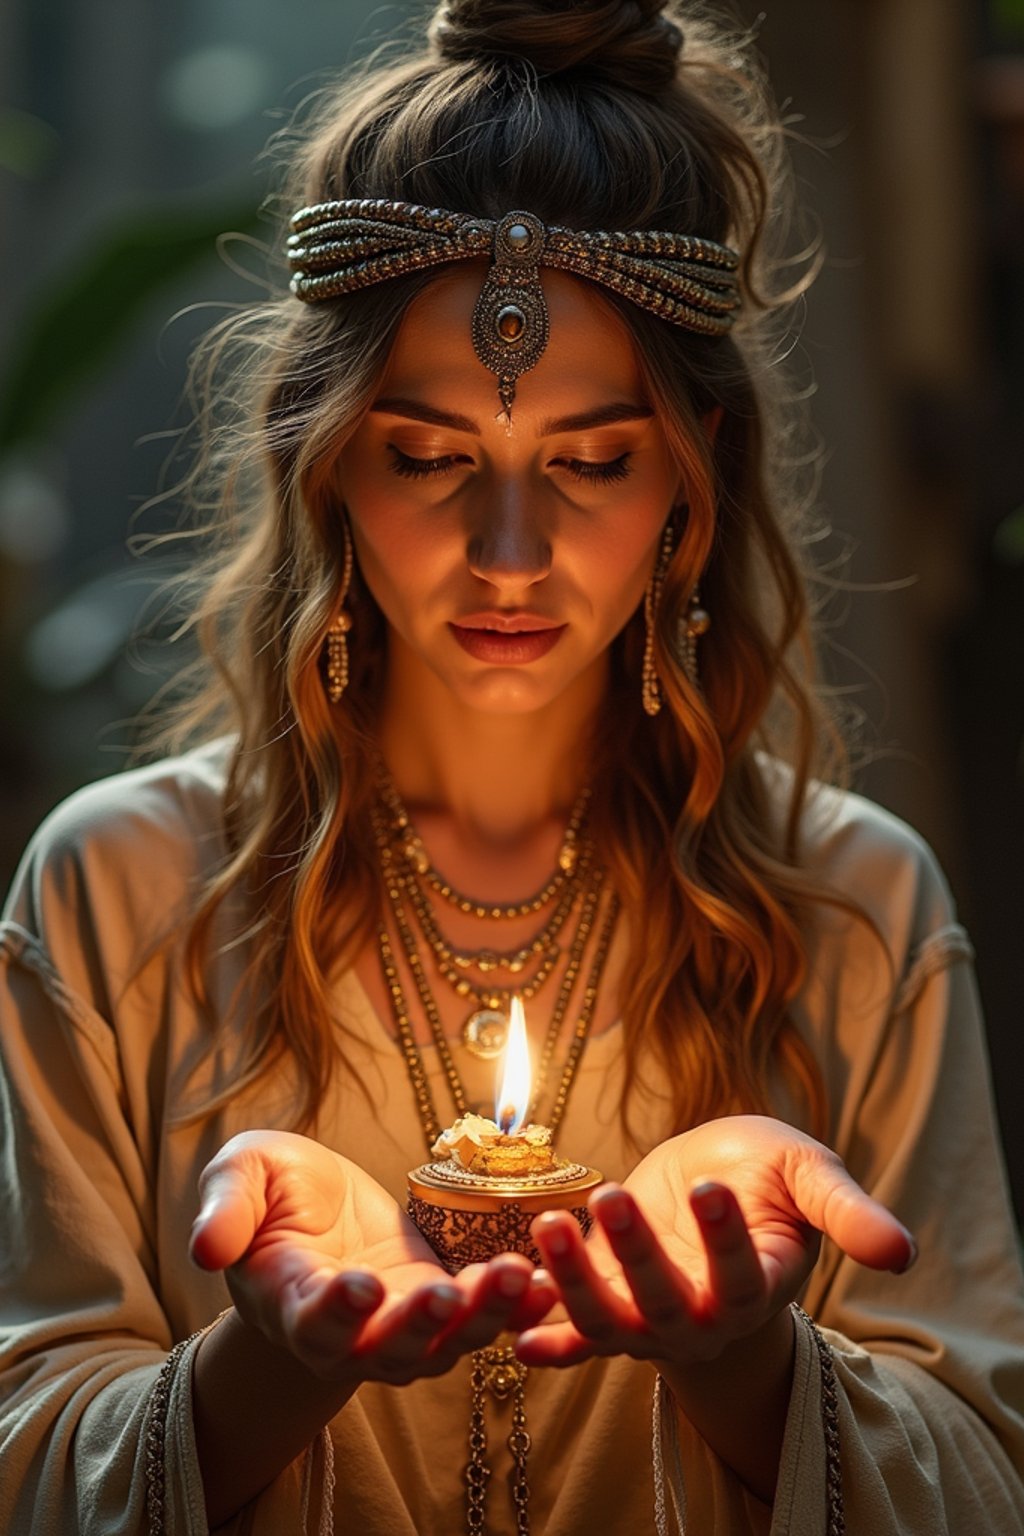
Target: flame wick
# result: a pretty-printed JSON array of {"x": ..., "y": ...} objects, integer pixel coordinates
[{"x": 512, "y": 1099}]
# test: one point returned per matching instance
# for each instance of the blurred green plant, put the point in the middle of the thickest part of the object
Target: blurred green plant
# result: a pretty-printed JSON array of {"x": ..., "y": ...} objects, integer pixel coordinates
[
  {"x": 1008, "y": 540},
  {"x": 76, "y": 325},
  {"x": 28, "y": 145},
  {"x": 1008, "y": 18}
]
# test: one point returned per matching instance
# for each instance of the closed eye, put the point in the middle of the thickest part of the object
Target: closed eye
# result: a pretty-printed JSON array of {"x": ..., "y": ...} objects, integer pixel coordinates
[{"x": 584, "y": 470}]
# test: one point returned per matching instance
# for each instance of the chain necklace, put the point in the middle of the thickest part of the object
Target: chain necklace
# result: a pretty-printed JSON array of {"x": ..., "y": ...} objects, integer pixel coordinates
[
  {"x": 416, "y": 855},
  {"x": 495, "y": 1368},
  {"x": 485, "y": 1028},
  {"x": 491, "y": 959},
  {"x": 424, "y": 1100}
]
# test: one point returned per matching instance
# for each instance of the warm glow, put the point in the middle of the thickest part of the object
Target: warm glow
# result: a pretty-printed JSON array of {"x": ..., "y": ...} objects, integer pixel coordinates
[{"x": 513, "y": 1097}]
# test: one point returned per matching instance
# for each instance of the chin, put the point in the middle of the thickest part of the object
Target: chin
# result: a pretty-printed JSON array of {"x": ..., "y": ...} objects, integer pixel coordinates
[
  {"x": 508, "y": 690},
  {"x": 500, "y": 694}
]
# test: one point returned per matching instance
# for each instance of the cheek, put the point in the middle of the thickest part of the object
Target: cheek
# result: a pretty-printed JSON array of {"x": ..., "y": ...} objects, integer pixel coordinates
[
  {"x": 615, "y": 559},
  {"x": 402, "y": 557}
]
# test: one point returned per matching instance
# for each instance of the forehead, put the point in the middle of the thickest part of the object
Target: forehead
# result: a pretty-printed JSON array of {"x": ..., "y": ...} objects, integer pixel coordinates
[{"x": 590, "y": 354}]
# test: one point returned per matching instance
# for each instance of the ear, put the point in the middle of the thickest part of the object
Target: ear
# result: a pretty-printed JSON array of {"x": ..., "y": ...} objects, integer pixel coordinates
[{"x": 711, "y": 421}]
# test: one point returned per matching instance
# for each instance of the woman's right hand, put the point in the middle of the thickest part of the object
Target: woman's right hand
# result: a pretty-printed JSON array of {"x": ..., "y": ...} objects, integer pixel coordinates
[{"x": 326, "y": 1265}]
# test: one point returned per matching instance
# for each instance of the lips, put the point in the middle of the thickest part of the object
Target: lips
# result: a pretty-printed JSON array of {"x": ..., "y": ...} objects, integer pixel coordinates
[
  {"x": 507, "y": 623},
  {"x": 507, "y": 639}
]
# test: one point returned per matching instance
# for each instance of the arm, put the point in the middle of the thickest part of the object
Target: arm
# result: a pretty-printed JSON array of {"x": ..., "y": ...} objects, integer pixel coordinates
[
  {"x": 929, "y": 1366},
  {"x": 931, "y": 1370},
  {"x": 82, "y": 1333},
  {"x": 333, "y": 1286}
]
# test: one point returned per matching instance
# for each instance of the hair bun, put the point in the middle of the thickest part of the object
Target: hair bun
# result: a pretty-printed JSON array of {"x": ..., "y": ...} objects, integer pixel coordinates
[{"x": 630, "y": 41}]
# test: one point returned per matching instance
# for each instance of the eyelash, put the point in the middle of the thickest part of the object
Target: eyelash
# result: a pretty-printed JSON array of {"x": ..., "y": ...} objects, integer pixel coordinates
[{"x": 580, "y": 469}]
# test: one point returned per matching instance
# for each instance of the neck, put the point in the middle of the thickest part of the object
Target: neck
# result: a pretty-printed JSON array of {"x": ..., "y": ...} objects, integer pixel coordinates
[{"x": 497, "y": 776}]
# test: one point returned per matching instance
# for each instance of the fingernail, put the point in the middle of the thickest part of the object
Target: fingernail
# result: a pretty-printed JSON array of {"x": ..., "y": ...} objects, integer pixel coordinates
[
  {"x": 556, "y": 1239},
  {"x": 360, "y": 1292},
  {"x": 711, "y": 1202},
  {"x": 911, "y": 1261},
  {"x": 192, "y": 1248},
  {"x": 512, "y": 1282},
  {"x": 616, "y": 1212},
  {"x": 441, "y": 1304}
]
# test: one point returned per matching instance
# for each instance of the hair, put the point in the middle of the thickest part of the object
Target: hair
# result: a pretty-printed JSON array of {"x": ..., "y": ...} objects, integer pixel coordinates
[{"x": 628, "y": 115}]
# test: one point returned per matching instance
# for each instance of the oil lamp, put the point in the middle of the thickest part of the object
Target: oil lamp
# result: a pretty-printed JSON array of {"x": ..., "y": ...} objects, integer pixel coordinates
[{"x": 490, "y": 1178}]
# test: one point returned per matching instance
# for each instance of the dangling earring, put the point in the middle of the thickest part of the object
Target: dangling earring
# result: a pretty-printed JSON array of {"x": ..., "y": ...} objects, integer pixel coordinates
[
  {"x": 696, "y": 623},
  {"x": 652, "y": 601},
  {"x": 337, "y": 635}
]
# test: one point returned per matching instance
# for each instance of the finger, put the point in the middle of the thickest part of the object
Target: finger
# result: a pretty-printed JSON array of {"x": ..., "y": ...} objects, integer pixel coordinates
[
  {"x": 398, "y": 1339},
  {"x": 591, "y": 1303},
  {"x": 556, "y": 1344},
  {"x": 735, "y": 1277},
  {"x": 541, "y": 1296},
  {"x": 834, "y": 1202},
  {"x": 498, "y": 1295},
  {"x": 661, "y": 1291},
  {"x": 232, "y": 1211},
  {"x": 323, "y": 1317}
]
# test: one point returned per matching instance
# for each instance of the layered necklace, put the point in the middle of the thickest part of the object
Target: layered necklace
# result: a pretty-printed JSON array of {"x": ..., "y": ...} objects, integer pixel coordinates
[{"x": 569, "y": 908}]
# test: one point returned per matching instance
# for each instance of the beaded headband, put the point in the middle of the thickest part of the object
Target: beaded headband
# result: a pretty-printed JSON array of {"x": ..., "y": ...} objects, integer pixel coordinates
[{"x": 339, "y": 247}]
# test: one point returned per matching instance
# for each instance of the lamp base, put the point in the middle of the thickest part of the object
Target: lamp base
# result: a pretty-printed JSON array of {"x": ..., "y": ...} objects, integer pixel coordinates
[{"x": 470, "y": 1218}]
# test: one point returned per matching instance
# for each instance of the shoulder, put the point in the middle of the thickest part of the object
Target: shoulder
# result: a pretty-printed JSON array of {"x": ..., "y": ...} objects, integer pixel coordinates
[
  {"x": 856, "y": 847},
  {"x": 135, "y": 842}
]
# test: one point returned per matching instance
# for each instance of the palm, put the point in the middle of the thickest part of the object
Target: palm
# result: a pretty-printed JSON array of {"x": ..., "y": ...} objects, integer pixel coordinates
[
  {"x": 321, "y": 1260},
  {"x": 707, "y": 1240},
  {"x": 748, "y": 1157},
  {"x": 318, "y": 1214}
]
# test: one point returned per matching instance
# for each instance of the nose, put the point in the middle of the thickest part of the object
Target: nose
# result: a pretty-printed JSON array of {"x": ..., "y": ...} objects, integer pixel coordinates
[{"x": 508, "y": 544}]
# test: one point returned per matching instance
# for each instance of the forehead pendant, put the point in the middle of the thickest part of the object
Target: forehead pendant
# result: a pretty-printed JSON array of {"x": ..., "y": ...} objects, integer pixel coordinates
[{"x": 510, "y": 320}]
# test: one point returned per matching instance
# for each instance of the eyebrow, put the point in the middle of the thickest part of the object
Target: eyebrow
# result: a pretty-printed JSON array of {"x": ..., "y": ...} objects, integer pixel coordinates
[{"x": 601, "y": 416}]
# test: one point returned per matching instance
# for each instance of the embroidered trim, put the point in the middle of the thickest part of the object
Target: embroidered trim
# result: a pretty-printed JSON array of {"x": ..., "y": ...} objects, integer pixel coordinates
[
  {"x": 664, "y": 1428},
  {"x": 325, "y": 1526},
  {"x": 665, "y": 1431}
]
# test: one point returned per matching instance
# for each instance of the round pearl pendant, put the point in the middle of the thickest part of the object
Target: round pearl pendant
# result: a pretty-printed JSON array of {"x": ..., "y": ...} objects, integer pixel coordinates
[{"x": 484, "y": 1033}]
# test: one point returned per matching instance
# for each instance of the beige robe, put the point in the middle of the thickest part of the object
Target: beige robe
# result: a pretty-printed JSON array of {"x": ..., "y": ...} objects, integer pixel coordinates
[{"x": 97, "y": 1194}]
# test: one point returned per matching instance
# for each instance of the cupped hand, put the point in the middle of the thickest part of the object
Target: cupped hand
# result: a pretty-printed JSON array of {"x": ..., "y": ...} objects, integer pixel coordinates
[
  {"x": 711, "y": 1236},
  {"x": 325, "y": 1264}
]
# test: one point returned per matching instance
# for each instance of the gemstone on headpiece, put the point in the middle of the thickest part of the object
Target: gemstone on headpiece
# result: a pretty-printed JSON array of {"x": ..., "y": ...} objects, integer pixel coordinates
[
  {"x": 510, "y": 323},
  {"x": 519, "y": 239}
]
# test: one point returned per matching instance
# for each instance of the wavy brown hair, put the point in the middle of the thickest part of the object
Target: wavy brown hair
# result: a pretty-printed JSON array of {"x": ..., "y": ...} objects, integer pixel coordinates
[{"x": 611, "y": 115}]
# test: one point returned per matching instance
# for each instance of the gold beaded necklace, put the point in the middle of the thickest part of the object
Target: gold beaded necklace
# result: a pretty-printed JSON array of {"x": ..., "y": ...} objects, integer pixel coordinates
[
  {"x": 416, "y": 853},
  {"x": 495, "y": 1368},
  {"x": 395, "y": 889},
  {"x": 484, "y": 1029}
]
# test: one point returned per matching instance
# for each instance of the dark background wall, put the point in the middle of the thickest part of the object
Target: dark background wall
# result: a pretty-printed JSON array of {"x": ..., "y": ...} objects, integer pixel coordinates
[{"x": 130, "y": 138}]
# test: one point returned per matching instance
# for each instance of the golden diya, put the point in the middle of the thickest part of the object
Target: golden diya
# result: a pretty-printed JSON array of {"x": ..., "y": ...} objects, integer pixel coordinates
[{"x": 490, "y": 1178}]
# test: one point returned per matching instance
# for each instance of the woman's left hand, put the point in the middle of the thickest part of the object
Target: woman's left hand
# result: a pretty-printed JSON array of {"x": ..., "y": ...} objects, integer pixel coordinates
[{"x": 709, "y": 1238}]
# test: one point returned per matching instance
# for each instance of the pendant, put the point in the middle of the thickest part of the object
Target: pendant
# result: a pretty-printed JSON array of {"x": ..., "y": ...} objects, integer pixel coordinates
[
  {"x": 503, "y": 1372},
  {"x": 484, "y": 1033}
]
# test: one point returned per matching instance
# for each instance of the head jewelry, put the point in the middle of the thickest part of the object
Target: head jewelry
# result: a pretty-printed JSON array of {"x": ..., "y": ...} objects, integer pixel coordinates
[{"x": 338, "y": 247}]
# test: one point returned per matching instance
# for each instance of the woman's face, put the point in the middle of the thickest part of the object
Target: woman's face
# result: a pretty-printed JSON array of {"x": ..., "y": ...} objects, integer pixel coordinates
[{"x": 506, "y": 562}]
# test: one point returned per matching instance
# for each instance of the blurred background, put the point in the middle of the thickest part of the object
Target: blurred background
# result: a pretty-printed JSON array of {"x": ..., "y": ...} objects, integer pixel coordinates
[{"x": 130, "y": 139}]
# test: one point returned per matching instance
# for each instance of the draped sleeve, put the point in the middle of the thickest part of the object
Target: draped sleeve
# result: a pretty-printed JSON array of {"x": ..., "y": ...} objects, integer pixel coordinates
[
  {"x": 929, "y": 1364},
  {"x": 89, "y": 1304}
]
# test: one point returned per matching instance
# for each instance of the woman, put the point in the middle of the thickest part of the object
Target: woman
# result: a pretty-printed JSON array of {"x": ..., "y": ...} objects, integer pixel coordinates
[{"x": 504, "y": 599}]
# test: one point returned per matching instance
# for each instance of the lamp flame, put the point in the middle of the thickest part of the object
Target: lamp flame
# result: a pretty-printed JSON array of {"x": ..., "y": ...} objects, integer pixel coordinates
[{"x": 513, "y": 1097}]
